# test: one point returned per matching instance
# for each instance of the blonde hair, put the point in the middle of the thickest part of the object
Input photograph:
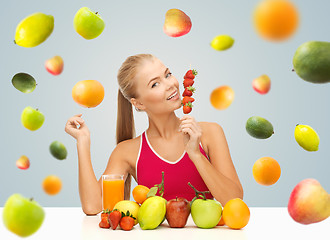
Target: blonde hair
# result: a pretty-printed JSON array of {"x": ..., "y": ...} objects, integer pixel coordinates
[{"x": 127, "y": 90}]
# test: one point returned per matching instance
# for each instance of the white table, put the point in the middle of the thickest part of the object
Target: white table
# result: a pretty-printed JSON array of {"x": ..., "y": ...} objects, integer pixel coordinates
[{"x": 265, "y": 224}]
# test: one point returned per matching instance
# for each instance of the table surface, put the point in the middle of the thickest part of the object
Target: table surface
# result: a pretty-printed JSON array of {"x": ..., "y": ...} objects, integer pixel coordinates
[{"x": 265, "y": 223}]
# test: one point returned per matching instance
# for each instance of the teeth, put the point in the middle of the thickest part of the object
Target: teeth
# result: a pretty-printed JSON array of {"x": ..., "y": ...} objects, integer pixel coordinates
[{"x": 172, "y": 95}]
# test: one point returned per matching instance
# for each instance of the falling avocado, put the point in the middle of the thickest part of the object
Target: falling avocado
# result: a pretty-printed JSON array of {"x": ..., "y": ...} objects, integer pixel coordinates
[
  {"x": 58, "y": 150},
  {"x": 312, "y": 61},
  {"x": 259, "y": 127},
  {"x": 24, "y": 82}
]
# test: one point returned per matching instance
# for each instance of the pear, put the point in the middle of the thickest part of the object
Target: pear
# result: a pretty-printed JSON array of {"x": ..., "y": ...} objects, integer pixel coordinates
[{"x": 309, "y": 202}]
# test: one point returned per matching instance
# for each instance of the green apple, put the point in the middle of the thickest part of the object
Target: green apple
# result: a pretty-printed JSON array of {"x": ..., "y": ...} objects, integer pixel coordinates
[
  {"x": 22, "y": 216},
  {"x": 206, "y": 213},
  {"x": 87, "y": 23},
  {"x": 32, "y": 119}
]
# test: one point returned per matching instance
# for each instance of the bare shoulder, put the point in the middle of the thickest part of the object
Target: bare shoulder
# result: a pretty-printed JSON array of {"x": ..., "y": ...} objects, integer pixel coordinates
[
  {"x": 210, "y": 130},
  {"x": 129, "y": 149},
  {"x": 210, "y": 127}
]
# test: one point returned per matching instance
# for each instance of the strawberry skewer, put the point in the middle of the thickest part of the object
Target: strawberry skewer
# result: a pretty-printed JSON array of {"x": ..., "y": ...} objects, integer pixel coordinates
[{"x": 188, "y": 90}]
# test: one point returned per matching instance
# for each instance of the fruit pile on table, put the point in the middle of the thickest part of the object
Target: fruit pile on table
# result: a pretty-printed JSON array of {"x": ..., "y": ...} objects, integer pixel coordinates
[{"x": 150, "y": 211}]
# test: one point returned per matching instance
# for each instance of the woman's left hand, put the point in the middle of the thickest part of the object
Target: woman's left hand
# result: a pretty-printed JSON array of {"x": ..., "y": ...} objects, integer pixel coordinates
[{"x": 192, "y": 134}]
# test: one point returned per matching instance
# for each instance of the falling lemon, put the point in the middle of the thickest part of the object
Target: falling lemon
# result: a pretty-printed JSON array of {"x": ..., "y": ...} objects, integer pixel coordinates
[
  {"x": 222, "y": 42},
  {"x": 306, "y": 137},
  {"x": 34, "y": 30}
]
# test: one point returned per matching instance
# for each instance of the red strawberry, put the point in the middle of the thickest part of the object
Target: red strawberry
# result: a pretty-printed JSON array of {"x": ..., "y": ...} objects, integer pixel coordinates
[
  {"x": 105, "y": 213},
  {"x": 114, "y": 218},
  {"x": 188, "y": 91},
  {"x": 104, "y": 223},
  {"x": 187, "y": 99},
  {"x": 187, "y": 108},
  {"x": 188, "y": 82},
  {"x": 127, "y": 221},
  {"x": 190, "y": 74}
]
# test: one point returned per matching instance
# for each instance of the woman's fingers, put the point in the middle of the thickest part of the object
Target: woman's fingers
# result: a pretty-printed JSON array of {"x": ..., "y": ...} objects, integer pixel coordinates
[
  {"x": 188, "y": 130},
  {"x": 74, "y": 122}
]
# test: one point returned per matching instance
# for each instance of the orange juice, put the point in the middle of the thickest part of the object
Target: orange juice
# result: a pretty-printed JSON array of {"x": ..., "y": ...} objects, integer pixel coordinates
[{"x": 112, "y": 190}]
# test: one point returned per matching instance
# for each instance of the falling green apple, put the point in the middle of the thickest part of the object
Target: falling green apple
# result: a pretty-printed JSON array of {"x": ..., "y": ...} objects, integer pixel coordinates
[
  {"x": 24, "y": 82},
  {"x": 22, "y": 216},
  {"x": 87, "y": 23},
  {"x": 32, "y": 119}
]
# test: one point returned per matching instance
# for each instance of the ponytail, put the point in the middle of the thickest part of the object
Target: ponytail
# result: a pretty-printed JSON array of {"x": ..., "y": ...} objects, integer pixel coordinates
[
  {"x": 125, "y": 130},
  {"x": 125, "y": 120}
]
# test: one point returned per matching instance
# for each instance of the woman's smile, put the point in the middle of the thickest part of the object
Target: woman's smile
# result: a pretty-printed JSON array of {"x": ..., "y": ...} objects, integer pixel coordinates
[{"x": 174, "y": 96}]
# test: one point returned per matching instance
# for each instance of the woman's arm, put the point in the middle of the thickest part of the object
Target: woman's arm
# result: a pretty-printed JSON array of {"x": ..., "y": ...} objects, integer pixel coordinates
[
  {"x": 90, "y": 189},
  {"x": 219, "y": 175}
]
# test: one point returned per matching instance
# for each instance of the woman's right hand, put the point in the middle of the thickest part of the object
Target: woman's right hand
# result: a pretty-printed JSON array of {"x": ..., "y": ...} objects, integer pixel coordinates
[{"x": 76, "y": 127}]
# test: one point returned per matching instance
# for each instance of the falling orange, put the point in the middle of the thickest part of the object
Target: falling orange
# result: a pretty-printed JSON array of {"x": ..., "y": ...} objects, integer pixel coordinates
[
  {"x": 222, "y": 97},
  {"x": 88, "y": 93},
  {"x": 276, "y": 20},
  {"x": 266, "y": 171},
  {"x": 52, "y": 185}
]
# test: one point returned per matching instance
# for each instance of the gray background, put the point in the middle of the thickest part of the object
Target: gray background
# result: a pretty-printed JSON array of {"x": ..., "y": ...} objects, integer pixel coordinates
[{"x": 136, "y": 27}]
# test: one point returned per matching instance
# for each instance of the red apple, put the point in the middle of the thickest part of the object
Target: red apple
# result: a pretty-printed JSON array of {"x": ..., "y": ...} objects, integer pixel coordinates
[
  {"x": 54, "y": 65},
  {"x": 177, "y": 23},
  {"x": 261, "y": 84},
  {"x": 177, "y": 212},
  {"x": 23, "y": 162}
]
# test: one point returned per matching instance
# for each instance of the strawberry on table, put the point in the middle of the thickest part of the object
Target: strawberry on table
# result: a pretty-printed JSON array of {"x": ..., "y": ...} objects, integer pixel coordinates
[
  {"x": 188, "y": 91},
  {"x": 187, "y": 82},
  {"x": 190, "y": 74},
  {"x": 105, "y": 213},
  {"x": 114, "y": 218},
  {"x": 187, "y": 99},
  {"x": 127, "y": 221},
  {"x": 187, "y": 108},
  {"x": 104, "y": 222}
]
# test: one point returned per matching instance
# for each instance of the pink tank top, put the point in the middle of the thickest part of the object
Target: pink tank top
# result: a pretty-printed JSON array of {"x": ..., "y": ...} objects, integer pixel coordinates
[{"x": 149, "y": 167}]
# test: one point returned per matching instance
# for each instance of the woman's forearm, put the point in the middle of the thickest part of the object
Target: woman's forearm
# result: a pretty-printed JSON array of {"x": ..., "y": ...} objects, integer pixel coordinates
[
  {"x": 222, "y": 188},
  {"x": 89, "y": 188}
]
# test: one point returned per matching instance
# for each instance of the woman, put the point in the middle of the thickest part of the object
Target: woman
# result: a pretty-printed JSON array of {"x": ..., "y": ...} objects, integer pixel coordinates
[{"x": 185, "y": 150}]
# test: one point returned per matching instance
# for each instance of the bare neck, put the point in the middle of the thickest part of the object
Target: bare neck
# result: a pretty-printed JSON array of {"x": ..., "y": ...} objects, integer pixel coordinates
[{"x": 164, "y": 126}]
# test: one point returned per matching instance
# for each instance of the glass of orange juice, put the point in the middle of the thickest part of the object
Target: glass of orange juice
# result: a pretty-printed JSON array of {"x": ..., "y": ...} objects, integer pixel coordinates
[{"x": 112, "y": 190}]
